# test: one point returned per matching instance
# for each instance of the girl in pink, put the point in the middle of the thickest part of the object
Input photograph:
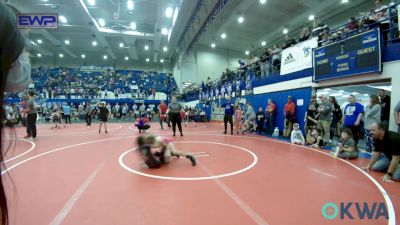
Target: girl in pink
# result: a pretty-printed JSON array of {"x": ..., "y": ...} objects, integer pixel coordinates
[{"x": 238, "y": 118}]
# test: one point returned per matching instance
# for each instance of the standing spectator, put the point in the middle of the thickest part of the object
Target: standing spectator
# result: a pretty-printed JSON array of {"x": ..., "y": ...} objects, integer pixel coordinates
[
  {"x": 386, "y": 142},
  {"x": 88, "y": 114},
  {"x": 385, "y": 106},
  {"x": 304, "y": 34},
  {"x": 319, "y": 28},
  {"x": 380, "y": 17},
  {"x": 311, "y": 119},
  {"x": 353, "y": 113},
  {"x": 264, "y": 60},
  {"x": 276, "y": 58},
  {"x": 289, "y": 42},
  {"x": 162, "y": 108},
  {"x": 372, "y": 115},
  {"x": 290, "y": 116},
  {"x": 229, "y": 111},
  {"x": 260, "y": 120},
  {"x": 250, "y": 119},
  {"x": 325, "y": 118},
  {"x": 174, "y": 109},
  {"x": 270, "y": 112},
  {"x": 31, "y": 112},
  {"x": 397, "y": 116},
  {"x": 336, "y": 117}
]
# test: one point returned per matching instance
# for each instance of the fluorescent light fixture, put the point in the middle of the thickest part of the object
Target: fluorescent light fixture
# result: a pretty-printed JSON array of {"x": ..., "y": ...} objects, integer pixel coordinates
[
  {"x": 327, "y": 89},
  {"x": 247, "y": 52},
  {"x": 164, "y": 31},
  {"x": 94, "y": 43},
  {"x": 345, "y": 96},
  {"x": 66, "y": 42},
  {"x": 105, "y": 57},
  {"x": 165, "y": 48},
  {"x": 61, "y": 55},
  {"x": 263, "y": 43},
  {"x": 147, "y": 60},
  {"x": 39, "y": 55},
  {"x": 146, "y": 47},
  {"x": 133, "y": 25},
  {"x": 213, "y": 45},
  {"x": 323, "y": 93},
  {"x": 336, "y": 95},
  {"x": 345, "y": 1},
  {"x": 92, "y": 2},
  {"x": 63, "y": 19},
  {"x": 121, "y": 45},
  {"x": 169, "y": 11},
  {"x": 311, "y": 17},
  {"x": 130, "y": 5},
  {"x": 161, "y": 60},
  {"x": 32, "y": 42},
  {"x": 355, "y": 93},
  {"x": 126, "y": 58},
  {"x": 341, "y": 91},
  {"x": 83, "y": 56},
  {"x": 39, "y": 41},
  {"x": 102, "y": 23},
  {"x": 263, "y": 1},
  {"x": 366, "y": 95},
  {"x": 240, "y": 19},
  {"x": 285, "y": 31},
  {"x": 223, "y": 36}
]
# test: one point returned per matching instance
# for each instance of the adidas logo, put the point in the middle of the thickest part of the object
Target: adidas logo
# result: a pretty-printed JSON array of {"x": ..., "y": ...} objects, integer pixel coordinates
[{"x": 289, "y": 59}]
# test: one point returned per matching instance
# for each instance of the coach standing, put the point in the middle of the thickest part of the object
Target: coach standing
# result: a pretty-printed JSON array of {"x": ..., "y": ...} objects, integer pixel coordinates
[
  {"x": 229, "y": 110},
  {"x": 174, "y": 109}
]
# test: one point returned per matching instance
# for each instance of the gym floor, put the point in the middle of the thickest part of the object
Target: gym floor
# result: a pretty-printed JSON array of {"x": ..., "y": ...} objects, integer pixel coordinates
[{"x": 75, "y": 175}]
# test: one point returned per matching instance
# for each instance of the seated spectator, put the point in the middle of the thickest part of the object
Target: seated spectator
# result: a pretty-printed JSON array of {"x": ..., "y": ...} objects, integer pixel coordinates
[
  {"x": 304, "y": 34},
  {"x": 352, "y": 26},
  {"x": 319, "y": 28},
  {"x": 276, "y": 57},
  {"x": 316, "y": 140},
  {"x": 347, "y": 148},
  {"x": 289, "y": 42},
  {"x": 296, "y": 136}
]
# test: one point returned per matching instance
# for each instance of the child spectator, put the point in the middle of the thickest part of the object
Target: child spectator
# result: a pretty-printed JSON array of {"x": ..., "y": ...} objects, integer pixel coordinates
[
  {"x": 347, "y": 148},
  {"x": 297, "y": 136}
]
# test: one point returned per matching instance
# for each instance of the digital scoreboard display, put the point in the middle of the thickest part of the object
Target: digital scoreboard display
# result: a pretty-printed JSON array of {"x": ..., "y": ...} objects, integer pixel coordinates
[{"x": 356, "y": 55}]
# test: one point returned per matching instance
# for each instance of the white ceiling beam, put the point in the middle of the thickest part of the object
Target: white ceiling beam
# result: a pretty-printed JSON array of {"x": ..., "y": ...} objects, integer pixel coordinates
[{"x": 131, "y": 44}]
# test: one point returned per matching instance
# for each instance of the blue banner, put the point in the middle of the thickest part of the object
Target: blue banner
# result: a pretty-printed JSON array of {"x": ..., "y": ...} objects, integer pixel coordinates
[{"x": 356, "y": 55}]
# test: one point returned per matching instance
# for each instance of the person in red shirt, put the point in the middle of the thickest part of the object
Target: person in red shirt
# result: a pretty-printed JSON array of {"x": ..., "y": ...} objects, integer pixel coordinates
[
  {"x": 162, "y": 108},
  {"x": 290, "y": 116},
  {"x": 270, "y": 113}
]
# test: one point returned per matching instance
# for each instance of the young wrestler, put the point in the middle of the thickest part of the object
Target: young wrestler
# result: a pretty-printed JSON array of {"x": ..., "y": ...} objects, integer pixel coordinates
[
  {"x": 142, "y": 123},
  {"x": 238, "y": 118},
  {"x": 55, "y": 119},
  {"x": 163, "y": 156}
]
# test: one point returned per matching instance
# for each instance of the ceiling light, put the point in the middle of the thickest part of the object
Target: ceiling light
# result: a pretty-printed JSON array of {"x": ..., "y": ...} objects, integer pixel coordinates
[
  {"x": 164, "y": 31},
  {"x": 285, "y": 31},
  {"x": 39, "y": 55},
  {"x": 341, "y": 91},
  {"x": 63, "y": 19},
  {"x": 133, "y": 26},
  {"x": 147, "y": 60},
  {"x": 130, "y": 5},
  {"x": 366, "y": 95},
  {"x": 92, "y": 2},
  {"x": 169, "y": 11},
  {"x": 247, "y": 52},
  {"x": 223, "y": 36},
  {"x": 355, "y": 93},
  {"x": 126, "y": 58},
  {"x": 311, "y": 17},
  {"x": 39, "y": 41},
  {"x": 61, "y": 55},
  {"x": 165, "y": 48},
  {"x": 240, "y": 19},
  {"x": 66, "y": 42},
  {"x": 161, "y": 60},
  {"x": 105, "y": 57},
  {"x": 345, "y": 1},
  {"x": 102, "y": 23},
  {"x": 121, "y": 45},
  {"x": 83, "y": 56},
  {"x": 263, "y": 43},
  {"x": 94, "y": 43},
  {"x": 213, "y": 45},
  {"x": 327, "y": 89},
  {"x": 32, "y": 42},
  {"x": 263, "y": 1},
  {"x": 146, "y": 47}
]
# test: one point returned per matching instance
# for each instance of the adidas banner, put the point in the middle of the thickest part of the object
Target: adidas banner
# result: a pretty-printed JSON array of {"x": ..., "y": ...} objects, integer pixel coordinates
[{"x": 298, "y": 57}]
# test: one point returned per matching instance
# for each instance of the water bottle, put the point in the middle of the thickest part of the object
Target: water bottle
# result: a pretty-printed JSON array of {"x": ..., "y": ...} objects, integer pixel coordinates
[{"x": 276, "y": 132}]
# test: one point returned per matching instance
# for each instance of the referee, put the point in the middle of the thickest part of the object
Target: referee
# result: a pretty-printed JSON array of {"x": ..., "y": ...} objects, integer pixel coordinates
[
  {"x": 174, "y": 109},
  {"x": 229, "y": 111}
]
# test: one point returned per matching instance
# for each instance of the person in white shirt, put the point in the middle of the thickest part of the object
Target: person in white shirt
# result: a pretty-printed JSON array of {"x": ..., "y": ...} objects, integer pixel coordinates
[{"x": 297, "y": 136}]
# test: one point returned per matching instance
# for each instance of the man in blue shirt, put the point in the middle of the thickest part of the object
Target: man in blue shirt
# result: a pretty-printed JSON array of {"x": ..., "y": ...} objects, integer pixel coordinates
[
  {"x": 229, "y": 111},
  {"x": 67, "y": 113},
  {"x": 353, "y": 113}
]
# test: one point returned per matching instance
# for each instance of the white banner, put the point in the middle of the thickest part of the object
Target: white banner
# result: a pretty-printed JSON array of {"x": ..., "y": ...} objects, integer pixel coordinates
[
  {"x": 95, "y": 68},
  {"x": 298, "y": 57}
]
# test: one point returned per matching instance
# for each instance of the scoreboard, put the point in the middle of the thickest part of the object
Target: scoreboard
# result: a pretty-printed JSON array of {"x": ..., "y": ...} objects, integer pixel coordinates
[{"x": 356, "y": 55}]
